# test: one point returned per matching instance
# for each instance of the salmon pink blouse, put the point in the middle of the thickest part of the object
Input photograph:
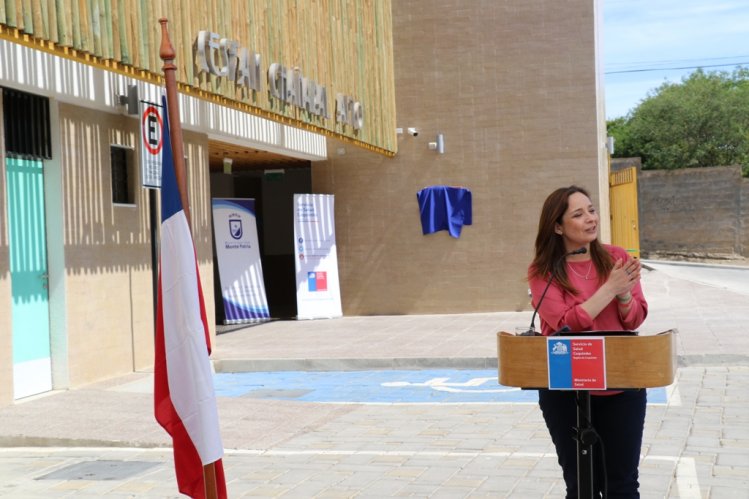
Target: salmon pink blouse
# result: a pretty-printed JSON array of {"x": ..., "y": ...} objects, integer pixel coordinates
[{"x": 560, "y": 308}]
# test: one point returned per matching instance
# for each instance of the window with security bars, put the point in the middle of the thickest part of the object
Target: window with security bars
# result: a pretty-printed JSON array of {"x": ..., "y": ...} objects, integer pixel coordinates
[
  {"x": 123, "y": 175},
  {"x": 27, "y": 124}
]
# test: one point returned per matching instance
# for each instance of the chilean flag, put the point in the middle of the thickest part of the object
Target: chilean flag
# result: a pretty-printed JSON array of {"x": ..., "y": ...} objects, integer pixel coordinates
[{"x": 184, "y": 399}]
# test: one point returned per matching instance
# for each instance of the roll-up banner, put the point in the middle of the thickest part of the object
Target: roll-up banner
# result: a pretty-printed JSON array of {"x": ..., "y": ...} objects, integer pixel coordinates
[
  {"x": 318, "y": 294},
  {"x": 239, "y": 267}
]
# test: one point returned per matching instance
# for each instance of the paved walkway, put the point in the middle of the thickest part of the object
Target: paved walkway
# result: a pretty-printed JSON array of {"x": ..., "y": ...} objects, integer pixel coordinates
[{"x": 102, "y": 440}]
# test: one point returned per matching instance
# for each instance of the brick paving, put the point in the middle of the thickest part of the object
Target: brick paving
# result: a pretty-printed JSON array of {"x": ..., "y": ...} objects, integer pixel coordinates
[{"x": 696, "y": 445}]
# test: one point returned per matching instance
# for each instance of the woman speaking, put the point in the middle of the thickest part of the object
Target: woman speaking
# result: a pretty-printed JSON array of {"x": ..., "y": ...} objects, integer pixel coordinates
[{"x": 598, "y": 289}]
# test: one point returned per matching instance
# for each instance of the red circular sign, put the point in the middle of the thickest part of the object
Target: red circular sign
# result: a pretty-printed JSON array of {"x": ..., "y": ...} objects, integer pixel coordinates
[{"x": 148, "y": 142}]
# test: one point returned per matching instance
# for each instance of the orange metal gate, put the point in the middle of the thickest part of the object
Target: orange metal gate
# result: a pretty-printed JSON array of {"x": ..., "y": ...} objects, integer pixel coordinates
[{"x": 625, "y": 224}]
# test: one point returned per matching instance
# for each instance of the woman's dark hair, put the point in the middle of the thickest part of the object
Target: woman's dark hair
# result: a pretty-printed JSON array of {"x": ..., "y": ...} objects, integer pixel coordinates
[{"x": 550, "y": 245}]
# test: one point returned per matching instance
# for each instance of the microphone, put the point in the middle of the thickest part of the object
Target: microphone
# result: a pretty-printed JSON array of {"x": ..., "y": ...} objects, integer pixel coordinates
[{"x": 532, "y": 329}]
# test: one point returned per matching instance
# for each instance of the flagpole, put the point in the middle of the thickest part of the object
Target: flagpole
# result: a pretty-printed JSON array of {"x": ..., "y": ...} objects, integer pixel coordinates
[{"x": 167, "y": 54}]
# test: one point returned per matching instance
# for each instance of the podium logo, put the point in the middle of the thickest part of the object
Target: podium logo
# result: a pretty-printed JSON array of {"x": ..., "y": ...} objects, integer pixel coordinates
[
  {"x": 235, "y": 228},
  {"x": 559, "y": 348}
]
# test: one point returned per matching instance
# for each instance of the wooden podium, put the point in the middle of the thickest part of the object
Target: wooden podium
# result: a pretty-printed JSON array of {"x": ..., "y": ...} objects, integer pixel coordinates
[{"x": 631, "y": 362}]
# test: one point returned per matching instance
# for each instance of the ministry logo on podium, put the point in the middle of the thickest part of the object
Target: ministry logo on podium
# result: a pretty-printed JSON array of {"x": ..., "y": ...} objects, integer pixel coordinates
[
  {"x": 235, "y": 228},
  {"x": 559, "y": 349}
]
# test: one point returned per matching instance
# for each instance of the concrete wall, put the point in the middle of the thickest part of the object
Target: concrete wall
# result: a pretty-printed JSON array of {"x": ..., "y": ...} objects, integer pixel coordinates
[
  {"x": 512, "y": 86},
  {"x": 109, "y": 319},
  {"x": 694, "y": 211},
  {"x": 744, "y": 218},
  {"x": 99, "y": 253},
  {"x": 622, "y": 163}
]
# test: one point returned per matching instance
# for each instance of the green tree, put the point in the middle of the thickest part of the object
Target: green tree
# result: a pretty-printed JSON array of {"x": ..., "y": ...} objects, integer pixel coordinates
[{"x": 702, "y": 121}]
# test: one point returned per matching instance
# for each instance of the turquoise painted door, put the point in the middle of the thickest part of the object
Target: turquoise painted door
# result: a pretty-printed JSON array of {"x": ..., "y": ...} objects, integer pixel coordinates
[{"x": 32, "y": 367}]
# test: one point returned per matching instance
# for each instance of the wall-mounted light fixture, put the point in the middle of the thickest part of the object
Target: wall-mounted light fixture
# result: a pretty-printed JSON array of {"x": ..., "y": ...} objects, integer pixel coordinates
[
  {"x": 130, "y": 100},
  {"x": 438, "y": 145},
  {"x": 227, "y": 165}
]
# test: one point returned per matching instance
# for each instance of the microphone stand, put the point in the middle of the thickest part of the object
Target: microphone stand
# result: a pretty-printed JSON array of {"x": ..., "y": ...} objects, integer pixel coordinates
[
  {"x": 586, "y": 437},
  {"x": 585, "y": 434}
]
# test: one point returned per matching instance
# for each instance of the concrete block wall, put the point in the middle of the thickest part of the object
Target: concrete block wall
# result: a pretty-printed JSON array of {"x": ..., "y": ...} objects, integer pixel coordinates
[
  {"x": 512, "y": 86},
  {"x": 698, "y": 211}
]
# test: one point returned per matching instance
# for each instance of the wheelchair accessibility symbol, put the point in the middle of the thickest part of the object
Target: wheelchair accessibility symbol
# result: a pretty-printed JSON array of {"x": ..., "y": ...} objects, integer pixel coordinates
[{"x": 474, "y": 385}]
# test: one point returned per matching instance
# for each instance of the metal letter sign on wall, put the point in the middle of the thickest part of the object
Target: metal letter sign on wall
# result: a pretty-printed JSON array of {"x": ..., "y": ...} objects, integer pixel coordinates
[
  {"x": 226, "y": 59},
  {"x": 151, "y": 141}
]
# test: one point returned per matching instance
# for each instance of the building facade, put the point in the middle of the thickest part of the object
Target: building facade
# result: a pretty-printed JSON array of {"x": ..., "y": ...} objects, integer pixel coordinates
[{"x": 280, "y": 98}]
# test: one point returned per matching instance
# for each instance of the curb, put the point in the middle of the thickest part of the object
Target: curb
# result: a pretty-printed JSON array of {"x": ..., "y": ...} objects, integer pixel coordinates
[
  {"x": 374, "y": 364},
  {"x": 713, "y": 360},
  {"x": 648, "y": 263},
  {"x": 365, "y": 364},
  {"x": 9, "y": 441}
]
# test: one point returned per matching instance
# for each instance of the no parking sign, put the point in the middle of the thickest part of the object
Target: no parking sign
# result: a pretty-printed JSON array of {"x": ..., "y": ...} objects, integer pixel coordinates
[{"x": 152, "y": 142}]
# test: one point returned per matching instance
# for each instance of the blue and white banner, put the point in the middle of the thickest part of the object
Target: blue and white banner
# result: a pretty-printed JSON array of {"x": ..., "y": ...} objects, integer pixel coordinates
[
  {"x": 318, "y": 294},
  {"x": 239, "y": 267}
]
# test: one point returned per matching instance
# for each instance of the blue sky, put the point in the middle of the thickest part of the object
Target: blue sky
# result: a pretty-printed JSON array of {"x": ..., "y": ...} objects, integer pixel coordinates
[{"x": 661, "y": 34}]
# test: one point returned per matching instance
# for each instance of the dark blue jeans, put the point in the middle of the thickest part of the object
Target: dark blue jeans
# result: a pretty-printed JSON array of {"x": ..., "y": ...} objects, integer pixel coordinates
[{"x": 618, "y": 420}]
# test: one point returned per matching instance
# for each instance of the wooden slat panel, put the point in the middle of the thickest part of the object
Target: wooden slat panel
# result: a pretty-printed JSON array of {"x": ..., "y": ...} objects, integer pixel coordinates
[
  {"x": 76, "y": 22},
  {"x": 106, "y": 28},
  {"x": 28, "y": 17},
  {"x": 41, "y": 26},
  {"x": 343, "y": 45},
  {"x": 142, "y": 34},
  {"x": 10, "y": 13},
  {"x": 18, "y": 13},
  {"x": 124, "y": 25},
  {"x": 64, "y": 21},
  {"x": 51, "y": 18},
  {"x": 115, "y": 30},
  {"x": 94, "y": 27}
]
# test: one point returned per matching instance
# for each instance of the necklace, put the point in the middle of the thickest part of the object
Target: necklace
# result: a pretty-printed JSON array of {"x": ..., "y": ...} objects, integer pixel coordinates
[{"x": 587, "y": 274}]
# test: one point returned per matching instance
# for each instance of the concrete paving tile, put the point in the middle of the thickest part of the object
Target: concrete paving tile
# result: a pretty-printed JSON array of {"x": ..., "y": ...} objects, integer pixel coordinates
[
  {"x": 654, "y": 485},
  {"x": 77, "y": 485},
  {"x": 738, "y": 459},
  {"x": 385, "y": 488},
  {"x": 406, "y": 472},
  {"x": 730, "y": 443},
  {"x": 337, "y": 493},
  {"x": 266, "y": 491},
  {"x": 721, "y": 471},
  {"x": 730, "y": 489},
  {"x": 711, "y": 426},
  {"x": 498, "y": 485},
  {"x": 416, "y": 490},
  {"x": 464, "y": 479},
  {"x": 360, "y": 478},
  {"x": 436, "y": 476},
  {"x": 452, "y": 493},
  {"x": 532, "y": 488}
]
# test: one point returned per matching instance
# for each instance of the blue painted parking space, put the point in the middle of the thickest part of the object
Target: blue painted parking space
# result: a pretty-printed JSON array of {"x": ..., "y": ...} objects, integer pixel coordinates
[{"x": 381, "y": 387}]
